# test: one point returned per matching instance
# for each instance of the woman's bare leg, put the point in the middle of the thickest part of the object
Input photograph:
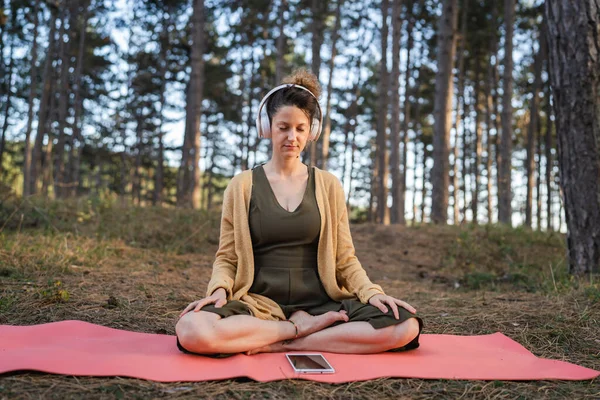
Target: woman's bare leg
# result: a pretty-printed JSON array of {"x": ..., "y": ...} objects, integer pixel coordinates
[
  {"x": 208, "y": 333},
  {"x": 353, "y": 337}
]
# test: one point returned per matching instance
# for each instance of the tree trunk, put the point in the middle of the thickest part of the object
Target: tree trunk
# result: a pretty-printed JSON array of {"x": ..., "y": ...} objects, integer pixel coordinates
[
  {"x": 372, "y": 215},
  {"x": 190, "y": 191},
  {"x": 351, "y": 173},
  {"x": 478, "y": 145},
  {"x": 383, "y": 212},
  {"x": 11, "y": 64},
  {"x": 405, "y": 123},
  {"x": 318, "y": 12},
  {"x": 254, "y": 82},
  {"x": 442, "y": 111},
  {"x": 532, "y": 129},
  {"x": 492, "y": 110},
  {"x": 279, "y": 66},
  {"x": 549, "y": 161},
  {"x": 77, "y": 138},
  {"x": 137, "y": 180},
  {"x": 418, "y": 134},
  {"x": 164, "y": 48},
  {"x": 489, "y": 109},
  {"x": 505, "y": 151},
  {"x": 465, "y": 158},
  {"x": 36, "y": 156},
  {"x": 209, "y": 182},
  {"x": 395, "y": 103},
  {"x": 538, "y": 169},
  {"x": 460, "y": 114},
  {"x": 47, "y": 173},
  {"x": 350, "y": 126},
  {"x": 414, "y": 185},
  {"x": 63, "y": 101},
  {"x": 32, "y": 91},
  {"x": 327, "y": 123},
  {"x": 574, "y": 52},
  {"x": 426, "y": 175}
]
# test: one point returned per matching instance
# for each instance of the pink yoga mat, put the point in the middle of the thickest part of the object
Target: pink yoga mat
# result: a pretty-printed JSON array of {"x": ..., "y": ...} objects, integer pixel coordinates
[{"x": 84, "y": 349}]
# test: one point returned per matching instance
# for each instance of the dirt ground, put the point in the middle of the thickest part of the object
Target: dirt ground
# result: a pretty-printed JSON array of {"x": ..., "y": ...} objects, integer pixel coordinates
[{"x": 59, "y": 276}]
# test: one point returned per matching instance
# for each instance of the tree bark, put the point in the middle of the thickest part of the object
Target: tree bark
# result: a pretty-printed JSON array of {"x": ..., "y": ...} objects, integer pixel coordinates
[
  {"x": 418, "y": 134},
  {"x": 395, "y": 118},
  {"x": 137, "y": 179},
  {"x": 36, "y": 156},
  {"x": 318, "y": 12},
  {"x": 532, "y": 130},
  {"x": 164, "y": 48},
  {"x": 279, "y": 63},
  {"x": 426, "y": 175},
  {"x": 350, "y": 126},
  {"x": 32, "y": 91},
  {"x": 407, "y": 110},
  {"x": 372, "y": 215},
  {"x": 538, "y": 169},
  {"x": 383, "y": 212},
  {"x": 189, "y": 195},
  {"x": 478, "y": 145},
  {"x": 489, "y": 110},
  {"x": 574, "y": 52},
  {"x": 505, "y": 151},
  {"x": 548, "y": 156},
  {"x": 77, "y": 137},
  {"x": 47, "y": 172},
  {"x": 63, "y": 100},
  {"x": 322, "y": 162},
  {"x": 460, "y": 114},
  {"x": 11, "y": 64},
  {"x": 442, "y": 111},
  {"x": 492, "y": 110}
]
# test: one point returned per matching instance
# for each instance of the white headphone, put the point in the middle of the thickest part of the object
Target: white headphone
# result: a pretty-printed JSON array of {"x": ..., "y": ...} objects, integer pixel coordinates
[{"x": 263, "y": 126}]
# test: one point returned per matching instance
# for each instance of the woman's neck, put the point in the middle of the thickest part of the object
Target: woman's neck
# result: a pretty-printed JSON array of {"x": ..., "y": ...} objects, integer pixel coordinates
[{"x": 285, "y": 168}]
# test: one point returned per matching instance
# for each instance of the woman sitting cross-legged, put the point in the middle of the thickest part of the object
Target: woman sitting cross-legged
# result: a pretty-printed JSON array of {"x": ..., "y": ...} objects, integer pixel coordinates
[{"x": 285, "y": 275}]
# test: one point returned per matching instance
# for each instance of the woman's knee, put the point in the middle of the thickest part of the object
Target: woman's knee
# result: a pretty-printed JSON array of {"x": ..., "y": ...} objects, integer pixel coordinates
[
  {"x": 406, "y": 332},
  {"x": 195, "y": 331}
]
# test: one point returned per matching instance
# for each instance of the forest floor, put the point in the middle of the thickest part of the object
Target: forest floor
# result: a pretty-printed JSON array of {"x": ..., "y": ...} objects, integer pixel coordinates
[{"x": 137, "y": 268}]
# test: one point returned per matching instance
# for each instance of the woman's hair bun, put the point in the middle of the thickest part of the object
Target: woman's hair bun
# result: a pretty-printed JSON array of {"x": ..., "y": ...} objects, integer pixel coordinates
[{"x": 304, "y": 77}]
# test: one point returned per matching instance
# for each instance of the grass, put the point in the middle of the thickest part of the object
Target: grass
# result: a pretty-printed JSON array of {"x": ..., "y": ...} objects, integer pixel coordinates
[{"x": 135, "y": 268}]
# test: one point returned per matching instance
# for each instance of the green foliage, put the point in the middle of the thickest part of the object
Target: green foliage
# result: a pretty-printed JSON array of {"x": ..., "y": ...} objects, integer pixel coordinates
[
  {"x": 593, "y": 293},
  {"x": 488, "y": 257},
  {"x": 54, "y": 292},
  {"x": 6, "y": 303},
  {"x": 105, "y": 217}
]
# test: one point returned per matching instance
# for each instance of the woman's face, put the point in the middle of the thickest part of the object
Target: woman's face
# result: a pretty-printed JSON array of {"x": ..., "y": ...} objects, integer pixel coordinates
[{"x": 290, "y": 131}]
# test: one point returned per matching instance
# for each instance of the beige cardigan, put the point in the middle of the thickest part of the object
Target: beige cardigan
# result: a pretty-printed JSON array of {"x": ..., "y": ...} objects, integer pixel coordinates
[{"x": 340, "y": 271}]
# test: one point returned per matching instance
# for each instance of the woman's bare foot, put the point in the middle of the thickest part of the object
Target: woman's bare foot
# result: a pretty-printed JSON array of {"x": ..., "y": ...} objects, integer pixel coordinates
[
  {"x": 270, "y": 348},
  {"x": 306, "y": 324}
]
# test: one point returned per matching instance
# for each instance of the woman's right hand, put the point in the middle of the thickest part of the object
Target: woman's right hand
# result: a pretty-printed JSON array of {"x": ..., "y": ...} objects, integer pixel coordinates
[{"x": 218, "y": 298}]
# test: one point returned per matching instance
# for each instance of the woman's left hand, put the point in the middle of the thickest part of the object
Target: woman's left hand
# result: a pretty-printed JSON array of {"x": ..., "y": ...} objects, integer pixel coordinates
[{"x": 380, "y": 300}]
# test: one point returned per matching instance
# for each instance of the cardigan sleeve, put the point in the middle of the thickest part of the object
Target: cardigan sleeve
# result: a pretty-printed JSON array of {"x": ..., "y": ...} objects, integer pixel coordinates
[
  {"x": 349, "y": 271},
  {"x": 225, "y": 265}
]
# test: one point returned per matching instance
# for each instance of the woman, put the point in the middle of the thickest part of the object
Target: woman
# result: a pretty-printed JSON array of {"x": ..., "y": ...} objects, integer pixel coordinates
[{"x": 285, "y": 275}]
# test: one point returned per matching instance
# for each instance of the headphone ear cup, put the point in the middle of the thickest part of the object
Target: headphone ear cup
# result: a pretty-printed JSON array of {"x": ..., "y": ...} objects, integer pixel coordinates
[
  {"x": 315, "y": 129},
  {"x": 265, "y": 125}
]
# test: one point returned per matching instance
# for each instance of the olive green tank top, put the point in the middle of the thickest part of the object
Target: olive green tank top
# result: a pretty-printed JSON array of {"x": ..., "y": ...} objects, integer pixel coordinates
[{"x": 285, "y": 245}]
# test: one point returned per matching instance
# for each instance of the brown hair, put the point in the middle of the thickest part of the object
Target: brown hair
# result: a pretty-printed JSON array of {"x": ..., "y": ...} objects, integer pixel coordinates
[{"x": 294, "y": 96}]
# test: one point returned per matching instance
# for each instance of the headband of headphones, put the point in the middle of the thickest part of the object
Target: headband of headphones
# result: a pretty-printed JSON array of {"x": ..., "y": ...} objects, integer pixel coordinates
[{"x": 263, "y": 126}]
